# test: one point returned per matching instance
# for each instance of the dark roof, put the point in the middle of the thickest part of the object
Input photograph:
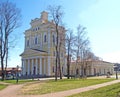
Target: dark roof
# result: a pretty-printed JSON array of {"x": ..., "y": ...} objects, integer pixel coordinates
[{"x": 40, "y": 50}]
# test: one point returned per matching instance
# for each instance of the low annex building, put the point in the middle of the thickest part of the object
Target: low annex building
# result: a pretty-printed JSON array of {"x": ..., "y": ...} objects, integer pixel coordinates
[
  {"x": 39, "y": 53},
  {"x": 91, "y": 68}
]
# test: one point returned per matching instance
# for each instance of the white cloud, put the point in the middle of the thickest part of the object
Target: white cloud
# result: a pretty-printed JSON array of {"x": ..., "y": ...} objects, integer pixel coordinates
[{"x": 111, "y": 57}]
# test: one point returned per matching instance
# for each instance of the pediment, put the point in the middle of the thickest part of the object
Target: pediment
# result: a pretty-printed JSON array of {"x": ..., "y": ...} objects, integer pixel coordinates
[{"x": 33, "y": 52}]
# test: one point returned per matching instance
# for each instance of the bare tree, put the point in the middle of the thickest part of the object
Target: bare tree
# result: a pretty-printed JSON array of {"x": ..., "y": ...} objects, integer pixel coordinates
[
  {"x": 70, "y": 39},
  {"x": 9, "y": 21},
  {"x": 81, "y": 44},
  {"x": 56, "y": 15}
]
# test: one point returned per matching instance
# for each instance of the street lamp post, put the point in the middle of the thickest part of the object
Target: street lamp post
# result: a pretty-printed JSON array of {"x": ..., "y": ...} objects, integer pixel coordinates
[
  {"x": 116, "y": 68},
  {"x": 116, "y": 73}
]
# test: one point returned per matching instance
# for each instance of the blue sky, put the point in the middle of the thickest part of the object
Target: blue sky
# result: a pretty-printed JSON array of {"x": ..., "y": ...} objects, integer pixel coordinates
[{"x": 101, "y": 17}]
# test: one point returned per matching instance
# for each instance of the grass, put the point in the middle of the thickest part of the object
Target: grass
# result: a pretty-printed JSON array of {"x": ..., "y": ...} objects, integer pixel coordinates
[
  {"x": 107, "y": 91},
  {"x": 60, "y": 85},
  {"x": 2, "y": 86}
]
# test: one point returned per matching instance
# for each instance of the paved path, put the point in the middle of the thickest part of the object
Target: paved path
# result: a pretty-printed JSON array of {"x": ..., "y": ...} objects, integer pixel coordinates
[{"x": 11, "y": 91}]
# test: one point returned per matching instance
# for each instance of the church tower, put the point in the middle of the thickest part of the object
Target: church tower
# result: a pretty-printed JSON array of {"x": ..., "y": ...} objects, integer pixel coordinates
[{"x": 38, "y": 57}]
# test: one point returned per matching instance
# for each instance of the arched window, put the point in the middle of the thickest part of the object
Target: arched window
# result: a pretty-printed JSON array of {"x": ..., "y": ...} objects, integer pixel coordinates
[
  {"x": 36, "y": 40},
  {"x": 45, "y": 38},
  {"x": 27, "y": 42}
]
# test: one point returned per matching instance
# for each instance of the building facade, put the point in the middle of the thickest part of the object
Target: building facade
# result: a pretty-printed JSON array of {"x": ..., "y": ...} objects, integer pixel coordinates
[
  {"x": 92, "y": 68},
  {"x": 39, "y": 53}
]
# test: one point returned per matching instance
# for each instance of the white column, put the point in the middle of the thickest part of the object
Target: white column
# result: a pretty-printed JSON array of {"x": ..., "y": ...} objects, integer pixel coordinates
[
  {"x": 49, "y": 69},
  {"x": 32, "y": 67},
  {"x": 22, "y": 67},
  {"x": 44, "y": 66},
  {"x": 40, "y": 66},
  {"x": 25, "y": 67},
  {"x": 28, "y": 71},
  {"x": 36, "y": 65}
]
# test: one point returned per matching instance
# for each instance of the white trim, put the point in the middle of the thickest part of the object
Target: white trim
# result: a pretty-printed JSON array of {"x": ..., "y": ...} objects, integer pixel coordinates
[{"x": 34, "y": 57}]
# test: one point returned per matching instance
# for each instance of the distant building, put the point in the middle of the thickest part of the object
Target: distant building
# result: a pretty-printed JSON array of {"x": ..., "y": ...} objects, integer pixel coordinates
[
  {"x": 12, "y": 71},
  {"x": 92, "y": 68},
  {"x": 39, "y": 53}
]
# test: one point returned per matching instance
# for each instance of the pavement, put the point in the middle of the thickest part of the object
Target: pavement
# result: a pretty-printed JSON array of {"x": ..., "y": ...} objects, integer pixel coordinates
[{"x": 12, "y": 90}]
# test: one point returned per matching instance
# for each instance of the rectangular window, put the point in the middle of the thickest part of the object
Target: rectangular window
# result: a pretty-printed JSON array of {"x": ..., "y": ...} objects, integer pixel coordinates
[{"x": 45, "y": 38}]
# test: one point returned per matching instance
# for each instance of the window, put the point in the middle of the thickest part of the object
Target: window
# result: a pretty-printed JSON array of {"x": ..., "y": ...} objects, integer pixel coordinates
[
  {"x": 53, "y": 69},
  {"x": 36, "y": 29},
  {"x": 45, "y": 38},
  {"x": 61, "y": 54},
  {"x": 27, "y": 42},
  {"x": 53, "y": 38},
  {"x": 36, "y": 40}
]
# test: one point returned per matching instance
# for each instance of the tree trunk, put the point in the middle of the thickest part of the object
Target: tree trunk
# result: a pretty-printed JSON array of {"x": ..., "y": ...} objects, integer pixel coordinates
[
  {"x": 2, "y": 69},
  {"x": 59, "y": 61},
  {"x": 6, "y": 61},
  {"x": 56, "y": 65},
  {"x": 68, "y": 62},
  {"x": 68, "y": 67},
  {"x": 59, "y": 65}
]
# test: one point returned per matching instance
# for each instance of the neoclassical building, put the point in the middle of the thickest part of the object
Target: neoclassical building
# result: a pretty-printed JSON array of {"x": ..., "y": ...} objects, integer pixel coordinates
[
  {"x": 39, "y": 53},
  {"x": 92, "y": 68}
]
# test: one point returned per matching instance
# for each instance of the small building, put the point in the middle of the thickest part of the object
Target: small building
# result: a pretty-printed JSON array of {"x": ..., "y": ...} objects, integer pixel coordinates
[{"x": 11, "y": 71}]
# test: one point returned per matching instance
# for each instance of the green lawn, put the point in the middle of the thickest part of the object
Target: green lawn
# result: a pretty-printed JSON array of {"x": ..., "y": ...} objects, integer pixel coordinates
[
  {"x": 2, "y": 86},
  {"x": 107, "y": 91},
  {"x": 60, "y": 85}
]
